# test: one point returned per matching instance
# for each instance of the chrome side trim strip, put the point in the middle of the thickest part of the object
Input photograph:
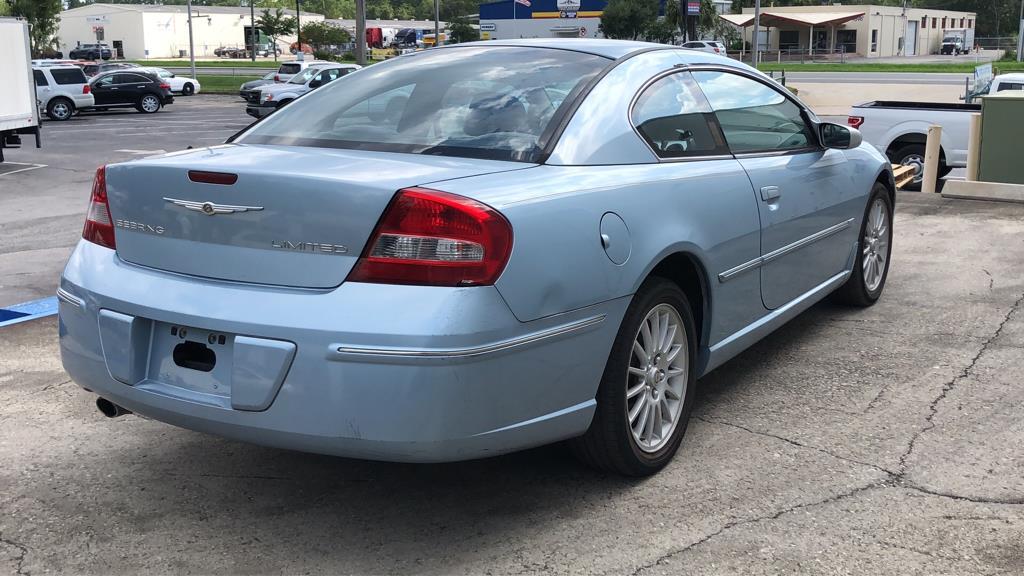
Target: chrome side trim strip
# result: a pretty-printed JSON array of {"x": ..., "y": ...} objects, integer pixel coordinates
[
  {"x": 65, "y": 296},
  {"x": 477, "y": 350},
  {"x": 779, "y": 253}
]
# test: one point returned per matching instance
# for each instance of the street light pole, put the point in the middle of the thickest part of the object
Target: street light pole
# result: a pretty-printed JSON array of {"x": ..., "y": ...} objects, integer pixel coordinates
[
  {"x": 252, "y": 28},
  {"x": 191, "y": 45},
  {"x": 1020, "y": 34},
  {"x": 757, "y": 32},
  {"x": 298, "y": 32}
]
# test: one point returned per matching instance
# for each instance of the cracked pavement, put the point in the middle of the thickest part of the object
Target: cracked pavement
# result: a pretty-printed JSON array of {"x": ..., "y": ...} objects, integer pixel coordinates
[{"x": 878, "y": 441}]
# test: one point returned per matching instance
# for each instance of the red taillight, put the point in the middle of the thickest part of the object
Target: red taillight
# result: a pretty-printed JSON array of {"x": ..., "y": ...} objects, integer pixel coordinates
[
  {"x": 165, "y": 86},
  {"x": 855, "y": 121},
  {"x": 86, "y": 89},
  {"x": 277, "y": 78},
  {"x": 433, "y": 238},
  {"x": 99, "y": 227}
]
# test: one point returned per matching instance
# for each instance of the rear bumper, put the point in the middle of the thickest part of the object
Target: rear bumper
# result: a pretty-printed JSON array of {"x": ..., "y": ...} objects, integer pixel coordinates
[
  {"x": 168, "y": 99},
  {"x": 379, "y": 372}
]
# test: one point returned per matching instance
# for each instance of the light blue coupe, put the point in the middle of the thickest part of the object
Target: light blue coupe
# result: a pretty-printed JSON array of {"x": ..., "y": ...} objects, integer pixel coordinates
[{"x": 472, "y": 250}]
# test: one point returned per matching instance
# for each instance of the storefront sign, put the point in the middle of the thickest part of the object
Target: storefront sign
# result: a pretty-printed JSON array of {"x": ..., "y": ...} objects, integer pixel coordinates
[{"x": 693, "y": 8}]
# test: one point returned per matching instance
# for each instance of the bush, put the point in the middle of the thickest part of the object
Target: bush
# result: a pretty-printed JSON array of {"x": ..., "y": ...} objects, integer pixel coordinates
[
  {"x": 325, "y": 55},
  {"x": 1009, "y": 56}
]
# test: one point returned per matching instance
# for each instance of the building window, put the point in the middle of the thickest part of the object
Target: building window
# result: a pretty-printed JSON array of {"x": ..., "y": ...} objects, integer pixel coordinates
[
  {"x": 874, "y": 40},
  {"x": 961, "y": 22},
  {"x": 943, "y": 22},
  {"x": 789, "y": 39},
  {"x": 935, "y": 23},
  {"x": 924, "y": 22},
  {"x": 970, "y": 23},
  {"x": 846, "y": 40}
]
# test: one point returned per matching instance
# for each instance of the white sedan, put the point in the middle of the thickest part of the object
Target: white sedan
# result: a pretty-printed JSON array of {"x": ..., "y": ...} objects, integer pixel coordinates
[{"x": 179, "y": 84}]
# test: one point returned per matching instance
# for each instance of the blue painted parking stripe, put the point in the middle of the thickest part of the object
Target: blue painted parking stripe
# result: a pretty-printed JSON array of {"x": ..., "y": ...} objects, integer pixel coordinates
[{"x": 28, "y": 311}]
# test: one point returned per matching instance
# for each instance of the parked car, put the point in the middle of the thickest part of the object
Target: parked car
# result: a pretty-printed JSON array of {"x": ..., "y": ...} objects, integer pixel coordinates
[
  {"x": 1002, "y": 82},
  {"x": 542, "y": 273},
  {"x": 288, "y": 69},
  {"x": 90, "y": 52},
  {"x": 270, "y": 97},
  {"x": 709, "y": 46},
  {"x": 900, "y": 129},
  {"x": 181, "y": 84},
  {"x": 62, "y": 90},
  {"x": 43, "y": 62},
  {"x": 144, "y": 91},
  {"x": 92, "y": 70},
  {"x": 254, "y": 85}
]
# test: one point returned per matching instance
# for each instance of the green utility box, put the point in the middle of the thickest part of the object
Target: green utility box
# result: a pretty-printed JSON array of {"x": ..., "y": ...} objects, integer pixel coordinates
[{"x": 1002, "y": 124}]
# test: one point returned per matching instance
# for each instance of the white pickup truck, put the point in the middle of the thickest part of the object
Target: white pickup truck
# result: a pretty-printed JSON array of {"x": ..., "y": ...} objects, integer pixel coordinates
[{"x": 19, "y": 111}]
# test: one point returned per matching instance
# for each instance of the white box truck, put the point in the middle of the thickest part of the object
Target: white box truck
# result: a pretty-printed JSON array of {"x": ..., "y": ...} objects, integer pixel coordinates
[{"x": 19, "y": 113}]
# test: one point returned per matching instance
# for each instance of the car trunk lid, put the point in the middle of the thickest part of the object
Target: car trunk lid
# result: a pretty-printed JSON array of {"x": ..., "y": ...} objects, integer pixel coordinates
[{"x": 291, "y": 216}]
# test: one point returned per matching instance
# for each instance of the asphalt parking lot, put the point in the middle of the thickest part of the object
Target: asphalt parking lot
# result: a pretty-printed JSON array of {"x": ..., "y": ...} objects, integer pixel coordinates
[{"x": 878, "y": 441}]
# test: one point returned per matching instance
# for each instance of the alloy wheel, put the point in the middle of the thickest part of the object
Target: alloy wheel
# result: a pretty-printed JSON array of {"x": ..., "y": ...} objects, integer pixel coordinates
[
  {"x": 61, "y": 111},
  {"x": 875, "y": 245},
  {"x": 150, "y": 104},
  {"x": 657, "y": 378}
]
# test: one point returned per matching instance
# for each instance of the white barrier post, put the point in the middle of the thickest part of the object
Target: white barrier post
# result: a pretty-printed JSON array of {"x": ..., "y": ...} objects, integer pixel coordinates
[
  {"x": 931, "y": 158},
  {"x": 974, "y": 148}
]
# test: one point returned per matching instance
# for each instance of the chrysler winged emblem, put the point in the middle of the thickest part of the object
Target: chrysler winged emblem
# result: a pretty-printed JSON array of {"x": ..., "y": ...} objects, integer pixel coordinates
[{"x": 210, "y": 208}]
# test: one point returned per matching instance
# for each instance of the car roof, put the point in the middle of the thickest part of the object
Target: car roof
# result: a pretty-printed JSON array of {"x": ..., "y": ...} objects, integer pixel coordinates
[
  {"x": 1012, "y": 76},
  {"x": 613, "y": 49}
]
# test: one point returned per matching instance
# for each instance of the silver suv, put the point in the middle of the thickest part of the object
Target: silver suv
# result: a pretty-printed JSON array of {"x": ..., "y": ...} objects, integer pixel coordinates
[
  {"x": 289, "y": 69},
  {"x": 61, "y": 90}
]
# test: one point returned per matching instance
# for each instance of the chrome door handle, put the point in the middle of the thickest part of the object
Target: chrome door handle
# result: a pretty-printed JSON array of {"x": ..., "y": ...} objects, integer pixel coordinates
[{"x": 769, "y": 193}]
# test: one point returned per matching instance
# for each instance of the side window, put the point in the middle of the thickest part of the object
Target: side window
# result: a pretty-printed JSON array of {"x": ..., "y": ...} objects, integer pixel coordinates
[
  {"x": 754, "y": 116},
  {"x": 40, "y": 78},
  {"x": 105, "y": 81},
  {"x": 1010, "y": 86},
  {"x": 132, "y": 79},
  {"x": 68, "y": 76},
  {"x": 675, "y": 119}
]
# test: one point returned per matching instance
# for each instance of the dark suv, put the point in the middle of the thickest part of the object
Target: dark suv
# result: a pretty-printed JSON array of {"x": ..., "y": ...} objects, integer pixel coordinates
[
  {"x": 144, "y": 91},
  {"x": 90, "y": 52}
]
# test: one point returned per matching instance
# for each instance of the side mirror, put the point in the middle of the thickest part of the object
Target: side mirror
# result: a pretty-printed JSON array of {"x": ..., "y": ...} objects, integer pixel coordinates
[
  {"x": 315, "y": 83},
  {"x": 173, "y": 76},
  {"x": 839, "y": 137}
]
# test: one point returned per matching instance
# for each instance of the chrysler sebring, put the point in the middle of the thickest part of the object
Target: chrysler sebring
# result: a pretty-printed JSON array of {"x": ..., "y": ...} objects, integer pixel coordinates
[{"x": 471, "y": 250}]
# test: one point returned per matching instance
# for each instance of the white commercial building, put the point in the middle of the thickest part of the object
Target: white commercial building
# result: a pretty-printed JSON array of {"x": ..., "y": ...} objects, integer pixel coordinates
[{"x": 140, "y": 31}]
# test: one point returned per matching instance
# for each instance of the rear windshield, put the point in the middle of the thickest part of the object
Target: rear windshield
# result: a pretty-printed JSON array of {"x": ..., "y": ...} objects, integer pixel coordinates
[
  {"x": 289, "y": 69},
  {"x": 68, "y": 75},
  {"x": 498, "y": 102}
]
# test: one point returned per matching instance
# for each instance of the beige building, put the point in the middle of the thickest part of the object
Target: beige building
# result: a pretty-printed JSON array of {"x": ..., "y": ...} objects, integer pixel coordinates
[
  {"x": 861, "y": 29},
  {"x": 140, "y": 31}
]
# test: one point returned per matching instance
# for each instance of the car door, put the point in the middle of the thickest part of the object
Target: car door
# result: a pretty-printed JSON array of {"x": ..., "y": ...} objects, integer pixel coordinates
[
  {"x": 104, "y": 91},
  {"x": 131, "y": 86},
  {"x": 805, "y": 195}
]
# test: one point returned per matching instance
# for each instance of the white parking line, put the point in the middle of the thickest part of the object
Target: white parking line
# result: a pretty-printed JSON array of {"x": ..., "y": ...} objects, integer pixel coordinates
[
  {"x": 224, "y": 126},
  {"x": 26, "y": 169}
]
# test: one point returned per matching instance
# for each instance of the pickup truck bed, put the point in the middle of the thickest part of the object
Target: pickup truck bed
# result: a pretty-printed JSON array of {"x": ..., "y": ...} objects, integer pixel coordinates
[{"x": 899, "y": 130}]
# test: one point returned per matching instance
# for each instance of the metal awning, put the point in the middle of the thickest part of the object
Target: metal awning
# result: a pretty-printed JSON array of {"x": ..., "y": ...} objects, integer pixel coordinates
[{"x": 776, "y": 19}]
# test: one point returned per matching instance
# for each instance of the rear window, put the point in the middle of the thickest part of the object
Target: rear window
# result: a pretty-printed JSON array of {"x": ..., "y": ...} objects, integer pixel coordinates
[
  {"x": 68, "y": 75},
  {"x": 473, "y": 101},
  {"x": 289, "y": 69}
]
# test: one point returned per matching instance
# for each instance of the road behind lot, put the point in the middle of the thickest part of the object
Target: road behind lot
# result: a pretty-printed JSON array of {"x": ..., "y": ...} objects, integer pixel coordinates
[{"x": 876, "y": 441}]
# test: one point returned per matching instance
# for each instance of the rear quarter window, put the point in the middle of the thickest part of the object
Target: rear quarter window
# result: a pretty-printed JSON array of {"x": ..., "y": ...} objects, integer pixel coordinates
[
  {"x": 40, "y": 78},
  {"x": 68, "y": 76}
]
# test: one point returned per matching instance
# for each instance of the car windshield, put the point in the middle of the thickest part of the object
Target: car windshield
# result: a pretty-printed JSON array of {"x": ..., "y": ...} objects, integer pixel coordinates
[
  {"x": 497, "y": 102},
  {"x": 304, "y": 77},
  {"x": 269, "y": 75}
]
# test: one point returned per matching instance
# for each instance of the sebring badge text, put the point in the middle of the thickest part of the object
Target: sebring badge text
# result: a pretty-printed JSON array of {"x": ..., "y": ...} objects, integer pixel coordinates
[
  {"x": 139, "y": 226},
  {"x": 317, "y": 247}
]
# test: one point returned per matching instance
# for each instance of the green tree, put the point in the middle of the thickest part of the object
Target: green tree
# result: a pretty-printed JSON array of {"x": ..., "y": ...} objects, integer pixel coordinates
[
  {"x": 459, "y": 30},
  {"x": 43, "y": 16},
  {"x": 673, "y": 15},
  {"x": 320, "y": 35},
  {"x": 628, "y": 19},
  {"x": 275, "y": 25},
  {"x": 661, "y": 31}
]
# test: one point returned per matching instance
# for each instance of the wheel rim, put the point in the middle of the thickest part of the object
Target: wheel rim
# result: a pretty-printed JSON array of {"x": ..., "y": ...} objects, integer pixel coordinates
[
  {"x": 917, "y": 162},
  {"x": 876, "y": 245},
  {"x": 149, "y": 104},
  {"x": 657, "y": 378},
  {"x": 61, "y": 110}
]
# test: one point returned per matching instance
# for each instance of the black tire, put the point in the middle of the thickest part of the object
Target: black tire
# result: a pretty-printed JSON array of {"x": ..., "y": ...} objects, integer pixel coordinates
[
  {"x": 609, "y": 443},
  {"x": 856, "y": 292},
  {"x": 282, "y": 104},
  {"x": 60, "y": 109},
  {"x": 145, "y": 104},
  {"x": 188, "y": 89}
]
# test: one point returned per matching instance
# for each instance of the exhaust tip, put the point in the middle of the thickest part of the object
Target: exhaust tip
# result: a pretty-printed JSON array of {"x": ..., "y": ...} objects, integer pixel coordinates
[{"x": 109, "y": 409}]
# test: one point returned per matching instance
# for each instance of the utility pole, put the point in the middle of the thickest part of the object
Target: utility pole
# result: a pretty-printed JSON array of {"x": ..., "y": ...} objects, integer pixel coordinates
[
  {"x": 437, "y": 21},
  {"x": 252, "y": 27},
  {"x": 757, "y": 32},
  {"x": 360, "y": 38},
  {"x": 298, "y": 33},
  {"x": 191, "y": 46},
  {"x": 1020, "y": 34}
]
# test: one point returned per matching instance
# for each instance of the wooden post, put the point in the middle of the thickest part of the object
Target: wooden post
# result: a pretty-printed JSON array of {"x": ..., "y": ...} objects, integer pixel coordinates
[
  {"x": 931, "y": 158},
  {"x": 973, "y": 148}
]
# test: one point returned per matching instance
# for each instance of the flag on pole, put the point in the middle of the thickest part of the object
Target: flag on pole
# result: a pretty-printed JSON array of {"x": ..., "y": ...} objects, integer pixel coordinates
[{"x": 523, "y": 2}]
